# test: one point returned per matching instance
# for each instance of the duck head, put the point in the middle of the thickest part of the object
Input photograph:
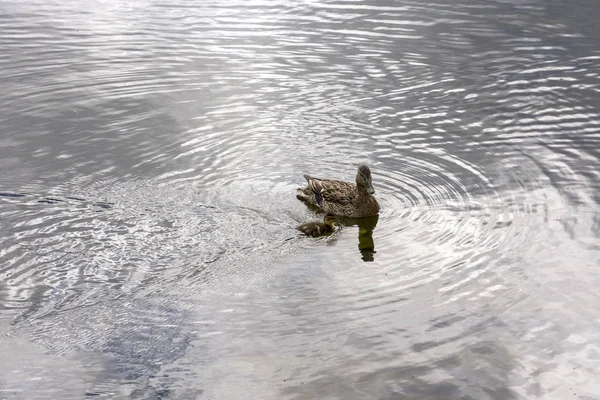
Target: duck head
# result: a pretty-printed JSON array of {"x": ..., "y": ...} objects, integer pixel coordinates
[{"x": 363, "y": 179}]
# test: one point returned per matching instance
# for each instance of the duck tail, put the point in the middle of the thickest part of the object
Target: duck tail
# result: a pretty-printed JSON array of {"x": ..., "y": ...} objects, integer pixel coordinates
[{"x": 302, "y": 195}]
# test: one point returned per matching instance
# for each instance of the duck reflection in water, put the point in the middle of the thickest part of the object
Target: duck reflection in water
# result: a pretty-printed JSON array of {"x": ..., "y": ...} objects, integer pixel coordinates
[{"x": 366, "y": 226}]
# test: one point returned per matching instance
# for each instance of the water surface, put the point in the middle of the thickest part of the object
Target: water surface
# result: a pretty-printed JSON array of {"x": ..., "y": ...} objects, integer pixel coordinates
[{"x": 149, "y": 154}]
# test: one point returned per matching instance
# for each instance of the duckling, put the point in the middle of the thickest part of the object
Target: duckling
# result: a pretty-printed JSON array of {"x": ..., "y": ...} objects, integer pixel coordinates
[
  {"x": 316, "y": 229},
  {"x": 342, "y": 198}
]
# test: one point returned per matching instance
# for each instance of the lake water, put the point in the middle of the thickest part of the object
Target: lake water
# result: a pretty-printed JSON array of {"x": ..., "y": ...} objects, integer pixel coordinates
[{"x": 149, "y": 155}]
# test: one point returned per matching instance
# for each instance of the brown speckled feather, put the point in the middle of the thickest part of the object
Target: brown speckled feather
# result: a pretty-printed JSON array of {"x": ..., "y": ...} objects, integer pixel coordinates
[
  {"x": 339, "y": 192},
  {"x": 339, "y": 197}
]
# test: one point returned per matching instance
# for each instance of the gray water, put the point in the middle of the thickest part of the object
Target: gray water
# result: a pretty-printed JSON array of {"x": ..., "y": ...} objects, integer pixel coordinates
[{"x": 149, "y": 155}]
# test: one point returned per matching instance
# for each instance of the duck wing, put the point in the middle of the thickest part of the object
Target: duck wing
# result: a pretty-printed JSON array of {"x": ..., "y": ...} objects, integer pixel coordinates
[{"x": 338, "y": 192}]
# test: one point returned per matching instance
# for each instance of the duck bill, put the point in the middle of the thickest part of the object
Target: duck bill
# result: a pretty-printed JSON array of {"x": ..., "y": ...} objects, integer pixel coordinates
[{"x": 370, "y": 189}]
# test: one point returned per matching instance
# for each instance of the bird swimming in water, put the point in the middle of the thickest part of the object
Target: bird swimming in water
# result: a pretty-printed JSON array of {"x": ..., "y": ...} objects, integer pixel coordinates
[
  {"x": 316, "y": 229},
  {"x": 342, "y": 198}
]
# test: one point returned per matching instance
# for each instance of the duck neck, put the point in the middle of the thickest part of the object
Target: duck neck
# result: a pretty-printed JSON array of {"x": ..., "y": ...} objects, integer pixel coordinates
[{"x": 362, "y": 191}]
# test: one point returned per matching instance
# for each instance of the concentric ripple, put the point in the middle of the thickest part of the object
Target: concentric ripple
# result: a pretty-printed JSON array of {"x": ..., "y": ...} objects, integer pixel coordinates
[{"x": 149, "y": 156}]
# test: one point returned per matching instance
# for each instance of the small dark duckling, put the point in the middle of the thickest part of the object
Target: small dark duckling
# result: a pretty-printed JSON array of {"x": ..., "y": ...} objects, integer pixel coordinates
[{"x": 316, "y": 229}]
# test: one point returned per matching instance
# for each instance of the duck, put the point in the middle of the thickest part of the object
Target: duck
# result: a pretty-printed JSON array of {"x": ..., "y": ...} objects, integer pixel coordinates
[
  {"x": 316, "y": 229},
  {"x": 341, "y": 198}
]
